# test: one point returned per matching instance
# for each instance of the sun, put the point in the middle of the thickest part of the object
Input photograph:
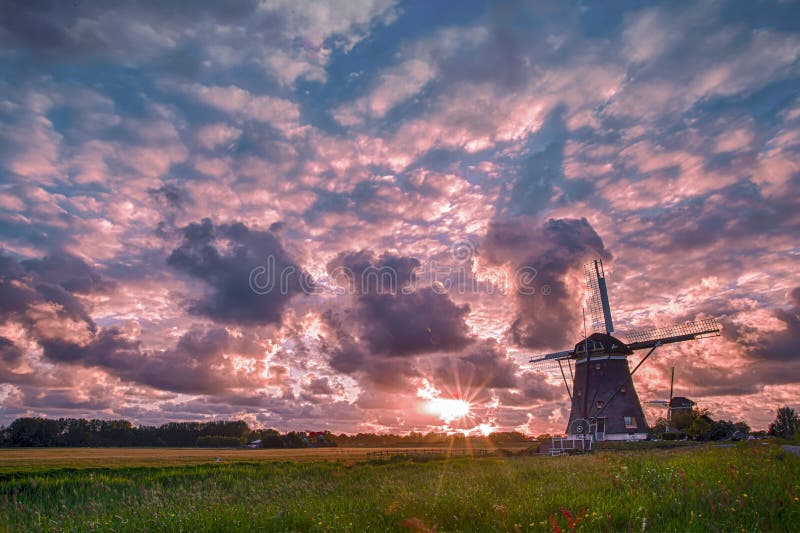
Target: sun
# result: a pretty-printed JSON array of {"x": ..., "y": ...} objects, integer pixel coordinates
[{"x": 448, "y": 409}]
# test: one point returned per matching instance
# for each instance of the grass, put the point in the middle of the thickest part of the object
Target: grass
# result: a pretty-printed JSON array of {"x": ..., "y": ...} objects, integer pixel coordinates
[
  {"x": 750, "y": 487},
  {"x": 43, "y": 459}
]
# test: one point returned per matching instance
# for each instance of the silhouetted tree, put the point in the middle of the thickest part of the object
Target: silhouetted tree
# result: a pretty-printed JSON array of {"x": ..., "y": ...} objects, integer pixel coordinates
[{"x": 786, "y": 423}]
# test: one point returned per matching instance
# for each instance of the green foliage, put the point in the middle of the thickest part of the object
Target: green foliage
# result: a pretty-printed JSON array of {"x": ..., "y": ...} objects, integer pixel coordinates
[
  {"x": 35, "y": 432},
  {"x": 748, "y": 486},
  {"x": 659, "y": 428},
  {"x": 786, "y": 423},
  {"x": 217, "y": 441}
]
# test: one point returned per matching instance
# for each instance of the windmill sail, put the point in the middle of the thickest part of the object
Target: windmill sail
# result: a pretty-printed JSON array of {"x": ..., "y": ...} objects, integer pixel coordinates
[
  {"x": 640, "y": 340},
  {"x": 599, "y": 308},
  {"x": 541, "y": 360}
]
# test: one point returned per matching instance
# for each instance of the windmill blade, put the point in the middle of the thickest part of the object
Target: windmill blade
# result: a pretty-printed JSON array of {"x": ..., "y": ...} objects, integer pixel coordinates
[
  {"x": 640, "y": 340},
  {"x": 552, "y": 365},
  {"x": 553, "y": 356},
  {"x": 599, "y": 308}
]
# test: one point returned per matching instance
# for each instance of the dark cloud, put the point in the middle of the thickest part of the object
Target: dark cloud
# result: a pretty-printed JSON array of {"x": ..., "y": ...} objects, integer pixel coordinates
[
  {"x": 32, "y": 292},
  {"x": 395, "y": 317},
  {"x": 408, "y": 324},
  {"x": 57, "y": 280},
  {"x": 547, "y": 309},
  {"x": 484, "y": 366},
  {"x": 391, "y": 320},
  {"x": 227, "y": 258},
  {"x": 171, "y": 195},
  {"x": 9, "y": 352},
  {"x": 348, "y": 357},
  {"x": 199, "y": 363},
  {"x": 774, "y": 345},
  {"x": 75, "y": 30}
]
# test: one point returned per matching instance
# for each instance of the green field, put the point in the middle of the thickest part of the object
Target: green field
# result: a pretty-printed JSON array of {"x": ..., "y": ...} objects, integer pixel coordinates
[{"x": 750, "y": 487}]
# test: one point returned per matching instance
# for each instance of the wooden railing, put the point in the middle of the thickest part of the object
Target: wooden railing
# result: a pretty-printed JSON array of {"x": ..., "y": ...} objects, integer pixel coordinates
[{"x": 425, "y": 453}]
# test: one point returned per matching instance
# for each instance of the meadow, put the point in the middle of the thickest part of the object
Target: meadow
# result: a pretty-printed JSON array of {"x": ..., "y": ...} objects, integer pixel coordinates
[{"x": 747, "y": 487}]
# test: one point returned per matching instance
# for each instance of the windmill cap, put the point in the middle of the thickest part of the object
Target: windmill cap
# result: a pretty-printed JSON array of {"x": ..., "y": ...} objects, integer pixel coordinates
[
  {"x": 681, "y": 402},
  {"x": 602, "y": 343}
]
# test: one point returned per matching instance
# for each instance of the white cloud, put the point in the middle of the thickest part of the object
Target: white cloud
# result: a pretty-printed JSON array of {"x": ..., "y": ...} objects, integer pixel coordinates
[
  {"x": 243, "y": 105},
  {"x": 419, "y": 65}
]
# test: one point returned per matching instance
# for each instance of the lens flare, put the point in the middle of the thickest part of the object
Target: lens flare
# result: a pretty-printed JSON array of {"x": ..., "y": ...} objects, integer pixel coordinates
[{"x": 448, "y": 409}]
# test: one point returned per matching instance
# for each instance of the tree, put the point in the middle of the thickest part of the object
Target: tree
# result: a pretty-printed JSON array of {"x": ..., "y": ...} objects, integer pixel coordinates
[
  {"x": 660, "y": 427},
  {"x": 33, "y": 432},
  {"x": 701, "y": 424},
  {"x": 742, "y": 427},
  {"x": 786, "y": 423}
]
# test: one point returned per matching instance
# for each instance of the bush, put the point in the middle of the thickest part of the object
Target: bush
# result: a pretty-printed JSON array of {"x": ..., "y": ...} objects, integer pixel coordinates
[{"x": 217, "y": 441}]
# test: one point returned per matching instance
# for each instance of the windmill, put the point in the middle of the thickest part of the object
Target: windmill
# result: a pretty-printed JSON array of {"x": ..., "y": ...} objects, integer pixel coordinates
[
  {"x": 676, "y": 405},
  {"x": 605, "y": 405}
]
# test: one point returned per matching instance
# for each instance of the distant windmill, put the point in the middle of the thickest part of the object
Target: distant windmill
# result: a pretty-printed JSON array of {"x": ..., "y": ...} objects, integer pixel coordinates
[
  {"x": 676, "y": 405},
  {"x": 604, "y": 402}
]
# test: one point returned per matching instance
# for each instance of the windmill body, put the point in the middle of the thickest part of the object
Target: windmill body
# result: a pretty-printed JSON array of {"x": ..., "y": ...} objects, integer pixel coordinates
[
  {"x": 606, "y": 415},
  {"x": 605, "y": 405}
]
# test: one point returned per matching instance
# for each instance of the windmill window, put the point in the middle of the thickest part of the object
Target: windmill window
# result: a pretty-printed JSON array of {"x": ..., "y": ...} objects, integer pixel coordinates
[
  {"x": 622, "y": 390},
  {"x": 597, "y": 366},
  {"x": 600, "y": 404},
  {"x": 630, "y": 422},
  {"x": 578, "y": 392}
]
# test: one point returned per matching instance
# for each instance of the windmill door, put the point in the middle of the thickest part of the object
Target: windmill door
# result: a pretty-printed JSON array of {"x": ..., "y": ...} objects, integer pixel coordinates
[{"x": 600, "y": 429}]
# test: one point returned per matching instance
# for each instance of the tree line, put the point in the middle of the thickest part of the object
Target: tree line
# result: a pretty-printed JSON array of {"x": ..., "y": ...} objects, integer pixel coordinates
[
  {"x": 63, "y": 432},
  {"x": 37, "y": 432},
  {"x": 40, "y": 432},
  {"x": 698, "y": 424}
]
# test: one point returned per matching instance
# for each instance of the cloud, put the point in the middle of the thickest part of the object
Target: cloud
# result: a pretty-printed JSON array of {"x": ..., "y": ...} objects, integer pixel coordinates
[
  {"x": 552, "y": 251},
  {"x": 778, "y": 343},
  {"x": 242, "y": 105},
  {"x": 398, "y": 322},
  {"x": 188, "y": 42},
  {"x": 725, "y": 60},
  {"x": 224, "y": 257},
  {"x": 418, "y": 65},
  {"x": 482, "y": 366}
]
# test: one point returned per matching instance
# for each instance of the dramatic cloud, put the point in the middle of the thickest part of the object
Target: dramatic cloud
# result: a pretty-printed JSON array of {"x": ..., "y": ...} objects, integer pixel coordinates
[
  {"x": 548, "y": 310},
  {"x": 250, "y": 284}
]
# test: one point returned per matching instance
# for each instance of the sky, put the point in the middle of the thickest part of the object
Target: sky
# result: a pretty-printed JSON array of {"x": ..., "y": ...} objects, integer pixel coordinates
[{"x": 191, "y": 193}]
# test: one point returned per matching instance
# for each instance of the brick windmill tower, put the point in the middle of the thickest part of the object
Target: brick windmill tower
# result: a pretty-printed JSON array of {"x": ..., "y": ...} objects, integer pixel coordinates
[{"x": 605, "y": 405}]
